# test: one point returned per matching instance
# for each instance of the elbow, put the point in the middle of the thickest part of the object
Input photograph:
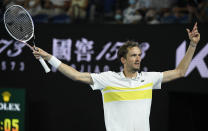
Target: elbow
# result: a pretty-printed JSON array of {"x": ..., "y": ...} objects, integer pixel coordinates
[{"x": 182, "y": 73}]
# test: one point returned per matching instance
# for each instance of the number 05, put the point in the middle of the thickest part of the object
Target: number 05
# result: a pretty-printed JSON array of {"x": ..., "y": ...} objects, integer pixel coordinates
[{"x": 15, "y": 125}]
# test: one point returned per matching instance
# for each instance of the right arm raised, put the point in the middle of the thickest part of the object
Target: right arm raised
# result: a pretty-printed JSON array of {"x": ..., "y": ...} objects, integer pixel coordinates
[{"x": 63, "y": 68}]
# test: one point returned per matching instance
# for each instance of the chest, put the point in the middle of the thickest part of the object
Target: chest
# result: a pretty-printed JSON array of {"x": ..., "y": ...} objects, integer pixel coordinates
[{"x": 127, "y": 82}]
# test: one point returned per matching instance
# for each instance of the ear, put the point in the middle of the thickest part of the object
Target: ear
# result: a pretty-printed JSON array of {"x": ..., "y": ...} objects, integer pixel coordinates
[{"x": 123, "y": 60}]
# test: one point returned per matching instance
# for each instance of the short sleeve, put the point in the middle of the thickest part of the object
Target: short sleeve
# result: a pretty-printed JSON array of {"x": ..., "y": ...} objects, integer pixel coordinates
[
  {"x": 156, "y": 78},
  {"x": 100, "y": 80}
]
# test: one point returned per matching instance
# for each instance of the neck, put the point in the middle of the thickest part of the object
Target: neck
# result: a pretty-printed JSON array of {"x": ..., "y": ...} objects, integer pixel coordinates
[{"x": 130, "y": 74}]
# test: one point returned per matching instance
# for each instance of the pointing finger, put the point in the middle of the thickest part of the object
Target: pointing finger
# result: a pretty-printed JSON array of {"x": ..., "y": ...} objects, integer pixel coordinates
[{"x": 195, "y": 26}]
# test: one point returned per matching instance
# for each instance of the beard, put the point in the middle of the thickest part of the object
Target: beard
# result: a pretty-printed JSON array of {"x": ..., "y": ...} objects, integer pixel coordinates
[
  {"x": 136, "y": 69},
  {"x": 133, "y": 68}
]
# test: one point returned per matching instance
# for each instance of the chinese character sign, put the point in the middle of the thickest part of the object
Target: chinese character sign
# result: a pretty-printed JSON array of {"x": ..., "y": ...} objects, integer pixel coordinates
[
  {"x": 84, "y": 50},
  {"x": 62, "y": 49}
]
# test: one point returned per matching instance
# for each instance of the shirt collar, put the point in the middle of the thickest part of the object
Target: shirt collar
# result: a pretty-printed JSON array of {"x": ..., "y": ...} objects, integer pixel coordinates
[{"x": 123, "y": 76}]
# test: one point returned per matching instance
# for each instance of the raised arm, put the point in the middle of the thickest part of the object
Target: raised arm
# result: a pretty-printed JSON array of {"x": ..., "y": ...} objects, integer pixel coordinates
[
  {"x": 63, "y": 68},
  {"x": 181, "y": 69}
]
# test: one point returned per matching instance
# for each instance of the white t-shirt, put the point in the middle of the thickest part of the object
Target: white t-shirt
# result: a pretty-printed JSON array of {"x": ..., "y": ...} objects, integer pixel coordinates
[{"x": 126, "y": 101}]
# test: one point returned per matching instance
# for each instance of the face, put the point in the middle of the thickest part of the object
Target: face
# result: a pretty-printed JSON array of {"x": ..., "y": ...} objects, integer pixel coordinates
[{"x": 132, "y": 60}]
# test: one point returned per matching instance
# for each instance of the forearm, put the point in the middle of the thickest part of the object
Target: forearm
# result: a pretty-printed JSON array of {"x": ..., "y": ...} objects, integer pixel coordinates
[
  {"x": 63, "y": 68},
  {"x": 185, "y": 62},
  {"x": 68, "y": 71},
  {"x": 181, "y": 69}
]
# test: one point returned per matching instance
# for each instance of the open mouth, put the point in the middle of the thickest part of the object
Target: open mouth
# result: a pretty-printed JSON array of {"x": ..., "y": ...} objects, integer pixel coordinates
[{"x": 137, "y": 64}]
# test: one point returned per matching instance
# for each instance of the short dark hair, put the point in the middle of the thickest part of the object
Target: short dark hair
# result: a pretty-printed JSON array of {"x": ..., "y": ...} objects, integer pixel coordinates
[{"x": 123, "y": 50}]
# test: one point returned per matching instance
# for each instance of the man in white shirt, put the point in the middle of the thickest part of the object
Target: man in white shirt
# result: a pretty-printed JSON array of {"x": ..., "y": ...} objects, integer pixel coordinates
[{"x": 127, "y": 95}]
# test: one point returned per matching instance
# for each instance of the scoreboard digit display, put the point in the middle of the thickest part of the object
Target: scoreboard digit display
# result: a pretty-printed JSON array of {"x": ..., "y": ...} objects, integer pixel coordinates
[{"x": 12, "y": 109}]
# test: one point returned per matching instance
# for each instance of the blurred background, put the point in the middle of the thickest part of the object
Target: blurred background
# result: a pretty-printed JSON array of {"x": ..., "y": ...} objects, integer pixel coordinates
[
  {"x": 114, "y": 11},
  {"x": 86, "y": 35}
]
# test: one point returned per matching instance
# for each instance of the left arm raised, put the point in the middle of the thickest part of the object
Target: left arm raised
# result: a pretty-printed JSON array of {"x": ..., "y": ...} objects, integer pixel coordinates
[{"x": 181, "y": 69}]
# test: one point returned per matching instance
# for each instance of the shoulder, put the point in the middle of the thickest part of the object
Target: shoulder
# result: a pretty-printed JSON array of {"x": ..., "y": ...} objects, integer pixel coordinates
[
  {"x": 104, "y": 76},
  {"x": 106, "y": 73},
  {"x": 150, "y": 74}
]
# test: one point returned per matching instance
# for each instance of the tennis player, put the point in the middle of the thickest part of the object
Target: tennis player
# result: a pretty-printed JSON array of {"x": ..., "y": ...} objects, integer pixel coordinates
[{"x": 127, "y": 95}]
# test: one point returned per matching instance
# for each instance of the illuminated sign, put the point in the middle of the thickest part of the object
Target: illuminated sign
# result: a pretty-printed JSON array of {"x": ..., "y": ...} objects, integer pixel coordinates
[
  {"x": 85, "y": 52},
  {"x": 94, "y": 49},
  {"x": 62, "y": 49},
  {"x": 12, "y": 109},
  {"x": 12, "y": 49}
]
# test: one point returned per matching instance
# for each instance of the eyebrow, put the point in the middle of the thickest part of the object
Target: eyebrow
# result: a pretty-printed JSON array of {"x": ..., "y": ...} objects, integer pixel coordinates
[{"x": 136, "y": 54}]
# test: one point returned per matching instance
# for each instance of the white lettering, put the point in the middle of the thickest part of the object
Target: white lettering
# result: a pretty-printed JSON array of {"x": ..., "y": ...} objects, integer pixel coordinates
[
  {"x": 17, "y": 49},
  {"x": 97, "y": 69},
  {"x": 62, "y": 49},
  {"x": 9, "y": 107},
  {"x": 84, "y": 50}
]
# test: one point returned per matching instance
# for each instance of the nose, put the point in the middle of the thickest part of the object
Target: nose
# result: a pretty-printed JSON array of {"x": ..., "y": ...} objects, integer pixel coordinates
[{"x": 138, "y": 58}]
